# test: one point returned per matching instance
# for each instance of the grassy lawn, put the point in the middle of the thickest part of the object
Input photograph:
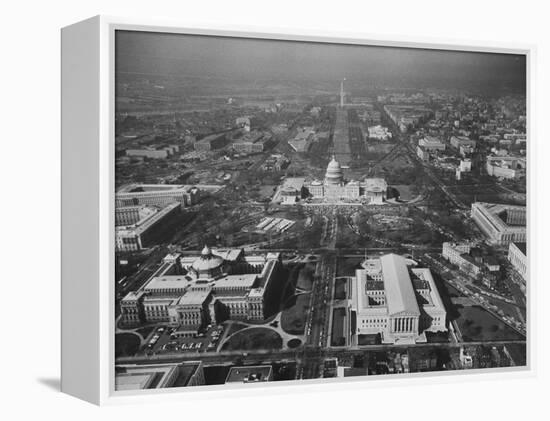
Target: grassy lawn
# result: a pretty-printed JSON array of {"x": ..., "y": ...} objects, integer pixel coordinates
[
  {"x": 126, "y": 344},
  {"x": 293, "y": 318},
  {"x": 338, "y": 327},
  {"x": 347, "y": 265},
  {"x": 145, "y": 331},
  {"x": 518, "y": 352},
  {"x": 439, "y": 337},
  {"x": 340, "y": 289},
  {"x": 233, "y": 327},
  {"x": 305, "y": 276},
  {"x": 267, "y": 190},
  {"x": 476, "y": 324},
  {"x": 294, "y": 343},
  {"x": 254, "y": 338},
  {"x": 404, "y": 191},
  {"x": 347, "y": 238},
  {"x": 369, "y": 339}
]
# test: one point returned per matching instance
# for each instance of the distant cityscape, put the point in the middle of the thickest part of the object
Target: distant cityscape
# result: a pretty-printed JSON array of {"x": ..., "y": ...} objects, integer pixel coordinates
[{"x": 271, "y": 226}]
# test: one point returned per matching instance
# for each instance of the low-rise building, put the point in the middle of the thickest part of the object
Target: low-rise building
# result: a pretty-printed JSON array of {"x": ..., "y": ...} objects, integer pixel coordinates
[
  {"x": 276, "y": 162},
  {"x": 146, "y": 231},
  {"x": 379, "y": 133},
  {"x": 517, "y": 255},
  {"x": 292, "y": 190},
  {"x": 131, "y": 309},
  {"x": 502, "y": 224},
  {"x": 458, "y": 141},
  {"x": 252, "y": 143},
  {"x": 465, "y": 165},
  {"x": 211, "y": 142},
  {"x": 422, "y": 153},
  {"x": 153, "y": 153},
  {"x": 505, "y": 167},
  {"x": 459, "y": 255},
  {"x": 156, "y": 195},
  {"x": 158, "y": 376},
  {"x": 431, "y": 143},
  {"x": 250, "y": 374}
]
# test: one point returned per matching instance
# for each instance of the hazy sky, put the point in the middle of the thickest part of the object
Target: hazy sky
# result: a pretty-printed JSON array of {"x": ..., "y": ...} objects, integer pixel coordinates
[{"x": 241, "y": 58}]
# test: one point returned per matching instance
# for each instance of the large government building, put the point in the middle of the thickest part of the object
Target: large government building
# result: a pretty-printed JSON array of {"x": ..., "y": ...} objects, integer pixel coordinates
[
  {"x": 192, "y": 291},
  {"x": 396, "y": 300},
  {"x": 158, "y": 376},
  {"x": 502, "y": 224},
  {"x": 139, "y": 227},
  {"x": 156, "y": 195},
  {"x": 335, "y": 188}
]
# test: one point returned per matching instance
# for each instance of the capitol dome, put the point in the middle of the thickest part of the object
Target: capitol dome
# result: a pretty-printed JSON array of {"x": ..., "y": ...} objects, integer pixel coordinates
[
  {"x": 334, "y": 174},
  {"x": 208, "y": 264}
]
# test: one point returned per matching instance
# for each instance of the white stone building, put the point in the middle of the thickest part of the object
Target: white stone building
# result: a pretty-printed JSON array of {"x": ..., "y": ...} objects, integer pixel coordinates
[
  {"x": 502, "y": 224},
  {"x": 517, "y": 255},
  {"x": 191, "y": 291},
  {"x": 397, "y": 301},
  {"x": 336, "y": 188}
]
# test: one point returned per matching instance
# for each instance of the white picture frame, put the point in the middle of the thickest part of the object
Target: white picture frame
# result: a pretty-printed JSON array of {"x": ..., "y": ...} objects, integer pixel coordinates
[{"x": 88, "y": 209}]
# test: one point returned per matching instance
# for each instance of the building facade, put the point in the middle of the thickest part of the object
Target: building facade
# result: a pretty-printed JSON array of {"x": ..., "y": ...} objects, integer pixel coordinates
[
  {"x": 431, "y": 143},
  {"x": 145, "y": 231},
  {"x": 399, "y": 302},
  {"x": 502, "y": 224},
  {"x": 191, "y": 291},
  {"x": 156, "y": 195},
  {"x": 458, "y": 141},
  {"x": 517, "y": 256},
  {"x": 158, "y": 376},
  {"x": 505, "y": 167},
  {"x": 335, "y": 188},
  {"x": 211, "y": 142},
  {"x": 459, "y": 255}
]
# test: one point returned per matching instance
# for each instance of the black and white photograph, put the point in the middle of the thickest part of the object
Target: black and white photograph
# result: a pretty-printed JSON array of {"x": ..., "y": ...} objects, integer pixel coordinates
[
  {"x": 275, "y": 211},
  {"x": 289, "y": 210}
]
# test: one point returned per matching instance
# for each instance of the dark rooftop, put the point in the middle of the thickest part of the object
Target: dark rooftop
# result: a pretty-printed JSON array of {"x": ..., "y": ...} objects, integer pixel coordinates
[
  {"x": 522, "y": 247},
  {"x": 420, "y": 283},
  {"x": 185, "y": 372},
  {"x": 250, "y": 374},
  {"x": 374, "y": 285}
]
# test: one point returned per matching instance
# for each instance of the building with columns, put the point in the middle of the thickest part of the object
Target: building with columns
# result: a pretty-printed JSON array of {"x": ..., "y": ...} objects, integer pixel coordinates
[
  {"x": 502, "y": 224},
  {"x": 191, "y": 291},
  {"x": 335, "y": 188},
  {"x": 396, "y": 300}
]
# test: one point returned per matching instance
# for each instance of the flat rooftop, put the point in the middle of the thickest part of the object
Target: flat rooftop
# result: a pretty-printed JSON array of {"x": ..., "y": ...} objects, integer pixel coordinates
[
  {"x": 138, "y": 377},
  {"x": 294, "y": 182},
  {"x": 522, "y": 247},
  {"x": 376, "y": 184},
  {"x": 250, "y": 374},
  {"x": 400, "y": 294},
  {"x": 194, "y": 297},
  {"x": 169, "y": 282},
  {"x": 141, "y": 188},
  {"x": 237, "y": 281}
]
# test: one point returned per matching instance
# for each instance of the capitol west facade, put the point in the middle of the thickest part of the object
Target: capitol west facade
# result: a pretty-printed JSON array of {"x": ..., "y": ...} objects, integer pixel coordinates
[{"x": 334, "y": 188}]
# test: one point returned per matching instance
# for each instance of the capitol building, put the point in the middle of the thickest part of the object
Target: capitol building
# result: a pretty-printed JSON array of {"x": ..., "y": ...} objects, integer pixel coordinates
[{"x": 334, "y": 187}]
